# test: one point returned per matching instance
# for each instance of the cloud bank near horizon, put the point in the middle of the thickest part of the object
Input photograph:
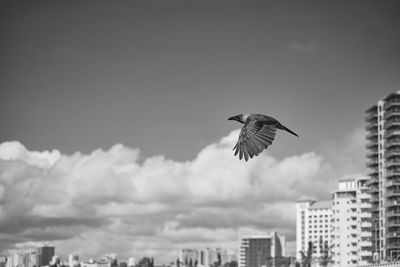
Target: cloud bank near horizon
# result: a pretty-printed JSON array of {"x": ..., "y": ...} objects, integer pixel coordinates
[{"x": 115, "y": 201}]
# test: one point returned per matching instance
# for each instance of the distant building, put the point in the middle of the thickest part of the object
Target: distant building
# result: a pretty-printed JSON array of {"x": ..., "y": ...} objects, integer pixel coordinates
[
  {"x": 96, "y": 263},
  {"x": 45, "y": 255},
  {"x": 351, "y": 222},
  {"x": 3, "y": 260},
  {"x": 131, "y": 262},
  {"x": 313, "y": 224},
  {"x": 188, "y": 256},
  {"x": 213, "y": 255},
  {"x": 73, "y": 260},
  {"x": 107, "y": 260},
  {"x": 258, "y": 248},
  {"x": 206, "y": 257},
  {"x": 55, "y": 261},
  {"x": 228, "y": 256},
  {"x": 22, "y": 258}
]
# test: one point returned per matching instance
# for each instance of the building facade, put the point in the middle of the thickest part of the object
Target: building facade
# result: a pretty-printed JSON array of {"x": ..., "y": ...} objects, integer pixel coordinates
[
  {"x": 189, "y": 256},
  {"x": 22, "y": 258},
  {"x": 351, "y": 222},
  {"x": 258, "y": 248},
  {"x": 73, "y": 260},
  {"x": 383, "y": 160},
  {"x": 206, "y": 257},
  {"x": 313, "y": 224},
  {"x": 45, "y": 255}
]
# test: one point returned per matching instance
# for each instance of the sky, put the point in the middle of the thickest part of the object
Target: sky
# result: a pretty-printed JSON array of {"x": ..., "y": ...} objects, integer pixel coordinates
[{"x": 114, "y": 132}]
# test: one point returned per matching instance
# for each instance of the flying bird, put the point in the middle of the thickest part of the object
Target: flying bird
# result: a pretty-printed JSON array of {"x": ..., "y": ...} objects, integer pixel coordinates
[{"x": 257, "y": 134}]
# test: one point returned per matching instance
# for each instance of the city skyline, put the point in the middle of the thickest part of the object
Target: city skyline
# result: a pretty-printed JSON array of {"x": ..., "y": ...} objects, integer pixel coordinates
[{"x": 114, "y": 117}]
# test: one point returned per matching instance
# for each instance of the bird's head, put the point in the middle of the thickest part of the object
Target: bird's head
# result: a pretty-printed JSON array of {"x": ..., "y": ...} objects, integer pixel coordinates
[{"x": 238, "y": 118}]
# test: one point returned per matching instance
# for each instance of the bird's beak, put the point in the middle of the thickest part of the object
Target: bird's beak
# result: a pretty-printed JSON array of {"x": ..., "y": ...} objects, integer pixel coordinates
[{"x": 231, "y": 118}]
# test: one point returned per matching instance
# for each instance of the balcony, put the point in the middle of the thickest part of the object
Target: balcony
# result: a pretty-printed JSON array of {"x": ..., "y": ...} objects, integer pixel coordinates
[
  {"x": 391, "y": 153},
  {"x": 374, "y": 199},
  {"x": 393, "y": 193},
  {"x": 389, "y": 204},
  {"x": 364, "y": 196},
  {"x": 373, "y": 154},
  {"x": 366, "y": 234},
  {"x": 389, "y": 143},
  {"x": 392, "y": 123},
  {"x": 373, "y": 163},
  {"x": 366, "y": 224},
  {"x": 392, "y": 173},
  {"x": 366, "y": 253},
  {"x": 365, "y": 215},
  {"x": 365, "y": 206},
  {"x": 389, "y": 134},
  {"x": 392, "y": 163},
  {"x": 393, "y": 245},
  {"x": 373, "y": 125},
  {"x": 372, "y": 144},
  {"x": 365, "y": 243},
  {"x": 373, "y": 190},
  {"x": 392, "y": 213},
  {"x": 372, "y": 117},
  {"x": 374, "y": 174},
  {"x": 392, "y": 115},
  {"x": 393, "y": 183},
  {"x": 374, "y": 134},
  {"x": 393, "y": 224},
  {"x": 394, "y": 103},
  {"x": 373, "y": 181},
  {"x": 393, "y": 234},
  {"x": 388, "y": 114}
]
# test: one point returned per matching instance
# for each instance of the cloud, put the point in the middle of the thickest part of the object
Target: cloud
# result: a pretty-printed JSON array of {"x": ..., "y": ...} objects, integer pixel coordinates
[
  {"x": 15, "y": 151},
  {"x": 108, "y": 201},
  {"x": 349, "y": 156}
]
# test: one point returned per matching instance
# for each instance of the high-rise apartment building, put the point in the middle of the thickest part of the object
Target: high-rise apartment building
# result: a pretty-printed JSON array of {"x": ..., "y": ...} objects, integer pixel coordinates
[
  {"x": 383, "y": 146},
  {"x": 258, "y": 248},
  {"x": 351, "y": 222},
  {"x": 313, "y": 224},
  {"x": 22, "y": 257},
  {"x": 45, "y": 255}
]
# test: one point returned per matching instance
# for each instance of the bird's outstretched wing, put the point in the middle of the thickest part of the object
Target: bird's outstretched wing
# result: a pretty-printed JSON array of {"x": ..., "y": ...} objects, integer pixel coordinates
[{"x": 254, "y": 138}]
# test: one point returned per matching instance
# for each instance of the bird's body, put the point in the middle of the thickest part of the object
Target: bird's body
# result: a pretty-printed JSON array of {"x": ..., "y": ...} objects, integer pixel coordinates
[{"x": 258, "y": 132}]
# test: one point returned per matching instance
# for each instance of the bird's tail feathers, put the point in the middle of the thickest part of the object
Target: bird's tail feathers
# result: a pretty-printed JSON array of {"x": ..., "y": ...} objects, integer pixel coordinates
[{"x": 288, "y": 130}]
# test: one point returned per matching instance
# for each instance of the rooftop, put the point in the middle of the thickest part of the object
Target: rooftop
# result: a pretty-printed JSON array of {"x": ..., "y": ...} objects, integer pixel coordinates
[
  {"x": 326, "y": 204},
  {"x": 353, "y": 177},
  {"x": 391, "y": 95}
]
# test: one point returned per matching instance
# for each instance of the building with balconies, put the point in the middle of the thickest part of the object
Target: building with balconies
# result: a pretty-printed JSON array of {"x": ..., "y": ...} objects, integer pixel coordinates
[
  {"x": 351, "y": 222},
  {"x": 383, "y": 160}
]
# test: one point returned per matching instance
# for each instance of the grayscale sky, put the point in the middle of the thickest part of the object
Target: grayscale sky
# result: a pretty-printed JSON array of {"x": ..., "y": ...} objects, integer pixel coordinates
[{"x": 86, "y": 85}]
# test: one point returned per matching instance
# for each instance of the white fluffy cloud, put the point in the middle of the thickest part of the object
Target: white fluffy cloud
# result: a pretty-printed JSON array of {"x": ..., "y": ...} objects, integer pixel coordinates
[{"x": 108, "y": 201}]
